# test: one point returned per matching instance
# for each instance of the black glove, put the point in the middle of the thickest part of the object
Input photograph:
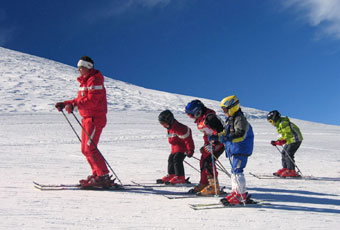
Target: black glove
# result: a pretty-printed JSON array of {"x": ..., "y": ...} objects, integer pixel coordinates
[{"x": 60, "y": 106}]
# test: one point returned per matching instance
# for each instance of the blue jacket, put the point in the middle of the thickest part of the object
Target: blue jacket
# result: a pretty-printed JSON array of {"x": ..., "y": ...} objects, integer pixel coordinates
[{"x": 238, "y": 137}]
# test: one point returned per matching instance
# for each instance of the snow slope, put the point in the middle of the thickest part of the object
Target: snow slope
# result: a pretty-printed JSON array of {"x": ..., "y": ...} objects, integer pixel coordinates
[{"x": 38, "y": 144}]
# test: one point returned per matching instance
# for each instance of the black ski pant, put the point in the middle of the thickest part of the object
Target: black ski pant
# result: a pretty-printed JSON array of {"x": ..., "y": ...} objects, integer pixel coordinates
[
  {"x": 288, "y": 162},
  {"x": 175, "y": 164}
]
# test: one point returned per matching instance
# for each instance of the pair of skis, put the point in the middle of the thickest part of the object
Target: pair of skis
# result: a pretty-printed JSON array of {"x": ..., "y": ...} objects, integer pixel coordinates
[
  {"x": 146, "y": 186},
  {"x": 253, "y": 203},
  {"x": 249, "y": 202},
  {"x": 56, "y": 187},
  {"x": 301, "y": 177}
]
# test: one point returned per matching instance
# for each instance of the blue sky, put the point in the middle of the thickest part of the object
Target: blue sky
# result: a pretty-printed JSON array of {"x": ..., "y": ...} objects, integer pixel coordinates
[{"x": 272, "y": 54}]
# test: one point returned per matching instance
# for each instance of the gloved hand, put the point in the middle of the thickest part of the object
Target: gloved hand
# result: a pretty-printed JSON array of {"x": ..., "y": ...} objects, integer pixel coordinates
[
  {"x": 206, "y": 149},
  {"x": 60, "y": 106},
  {"x": 224, "y": 137},
  {"x": 69, "y": 108},
  {"x": 212, "y": 138},
  {"x": 189, "y": 153},
  {"x": 278, "y": 142}
]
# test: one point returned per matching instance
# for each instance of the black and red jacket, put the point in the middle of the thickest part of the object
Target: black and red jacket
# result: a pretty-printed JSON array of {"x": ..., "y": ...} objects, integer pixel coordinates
[{"x": 209, "y": 124}]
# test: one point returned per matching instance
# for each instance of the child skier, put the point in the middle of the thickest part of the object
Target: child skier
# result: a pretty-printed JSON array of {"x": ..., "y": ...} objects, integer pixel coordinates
[
  {"x": 208, "y": 123},
  {"x": 238, "y": 139},
  {"x": 291, "y": 138},
  {"x": 182, "y": 145}
]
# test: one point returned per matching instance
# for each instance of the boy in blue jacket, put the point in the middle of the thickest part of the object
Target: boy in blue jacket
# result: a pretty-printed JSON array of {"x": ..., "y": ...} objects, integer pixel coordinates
[{"x": 238, "y": 138}]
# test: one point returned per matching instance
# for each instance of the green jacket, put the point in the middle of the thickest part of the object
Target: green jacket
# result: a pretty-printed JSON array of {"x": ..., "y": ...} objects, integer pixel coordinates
[{"x": 288, "y": 130}]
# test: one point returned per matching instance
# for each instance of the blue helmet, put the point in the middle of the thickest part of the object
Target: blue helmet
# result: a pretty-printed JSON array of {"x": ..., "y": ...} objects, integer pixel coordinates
[{"x": 194, "y": 108}]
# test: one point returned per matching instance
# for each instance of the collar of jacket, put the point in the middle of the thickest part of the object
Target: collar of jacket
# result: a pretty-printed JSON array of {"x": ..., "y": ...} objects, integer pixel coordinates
[
  {"x": 83, "y": 78},
  {"x": 206, "y": 113},
  {"x": 172, "y": 125}
]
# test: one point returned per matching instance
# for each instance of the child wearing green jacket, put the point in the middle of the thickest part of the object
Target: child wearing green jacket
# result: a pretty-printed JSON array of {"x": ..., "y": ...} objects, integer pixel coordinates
[{"x": 291, "y": 139}]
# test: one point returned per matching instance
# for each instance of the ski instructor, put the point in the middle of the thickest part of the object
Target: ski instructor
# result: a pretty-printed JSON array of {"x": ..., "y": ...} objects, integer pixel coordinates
[{"x": 92, "y": 105}]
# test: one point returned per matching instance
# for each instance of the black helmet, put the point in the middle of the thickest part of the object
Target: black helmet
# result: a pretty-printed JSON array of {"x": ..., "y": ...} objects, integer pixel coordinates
[
  {"x": 274, "y": 116},
  {"x": 166, "y": 117}
]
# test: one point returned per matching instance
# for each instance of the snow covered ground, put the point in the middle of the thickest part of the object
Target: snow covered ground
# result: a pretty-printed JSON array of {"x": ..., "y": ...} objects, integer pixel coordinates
[{"x": 38, "y": 144}]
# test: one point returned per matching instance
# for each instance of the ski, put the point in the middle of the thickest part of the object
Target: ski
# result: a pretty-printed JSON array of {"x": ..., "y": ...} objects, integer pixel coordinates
[
  {"x": 55, "y": 185},
  {"x": 249, "y": 203},
  {"x": 270, "y": 176},
  {"x": 220, "y": 205},
  {"x": 186, "y": 195},
  {"x": 147, "y": 185},
  {"x": 78, "y": 187},
  {"x": 159, "y": 185}
]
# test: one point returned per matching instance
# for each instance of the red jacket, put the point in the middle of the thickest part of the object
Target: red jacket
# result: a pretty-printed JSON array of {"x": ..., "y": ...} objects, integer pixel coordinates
[
  {"x": 91, "y": 100},
  {"x": 180, "y": 138}
]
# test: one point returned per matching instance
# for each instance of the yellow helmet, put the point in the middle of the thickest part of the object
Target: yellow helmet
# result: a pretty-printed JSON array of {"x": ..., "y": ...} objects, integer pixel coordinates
[{"x": 230, "y": 104}]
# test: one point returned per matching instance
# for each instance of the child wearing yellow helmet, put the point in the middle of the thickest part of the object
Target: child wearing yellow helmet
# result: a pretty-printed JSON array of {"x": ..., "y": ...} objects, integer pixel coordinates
[{"x": 238, "y": 138}]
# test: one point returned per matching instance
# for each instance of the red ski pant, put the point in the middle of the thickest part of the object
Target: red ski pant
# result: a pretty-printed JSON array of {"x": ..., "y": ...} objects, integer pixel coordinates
[
  {"x": 206, "y": 161},
  {"x": 93, "y": 127}
]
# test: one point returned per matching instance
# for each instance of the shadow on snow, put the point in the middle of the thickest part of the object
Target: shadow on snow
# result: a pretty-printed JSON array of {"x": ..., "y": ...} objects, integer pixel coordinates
[{"x": 296, "y": 196}]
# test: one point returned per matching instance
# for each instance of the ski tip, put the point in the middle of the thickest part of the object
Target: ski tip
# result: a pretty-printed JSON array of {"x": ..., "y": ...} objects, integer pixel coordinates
[{"x": 36, "y": 184}]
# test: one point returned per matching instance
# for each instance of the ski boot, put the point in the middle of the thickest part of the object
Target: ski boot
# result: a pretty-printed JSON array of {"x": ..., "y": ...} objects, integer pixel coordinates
[
  {"x": 278, "y": 172},
  {"x": 197, "y": 188},
  {"x": 235, "y": 199},
  {"x": 165, "y": 179},
  {"x": 178, "y": 180},
  {"x": 210, "y": 188},
  {"x": 98, "y": 181},
  {"x": 85, "y": 181},
  {"x": 230, "y": 195},
  {"x": 290, "y": 173}
]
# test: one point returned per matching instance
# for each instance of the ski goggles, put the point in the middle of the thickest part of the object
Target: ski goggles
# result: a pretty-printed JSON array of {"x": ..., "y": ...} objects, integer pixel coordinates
[
  {"x": 225, "y": 109},
  {"x": 271, "y": 121},
  {"x": 194, "y": 116}
]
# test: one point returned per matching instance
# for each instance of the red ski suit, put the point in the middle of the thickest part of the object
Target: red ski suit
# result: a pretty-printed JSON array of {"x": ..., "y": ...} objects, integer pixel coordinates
[
  {"x": 92, "y": 106},
  {"x": 180, "y": 138},
  {"x": 217, "y": 148}
]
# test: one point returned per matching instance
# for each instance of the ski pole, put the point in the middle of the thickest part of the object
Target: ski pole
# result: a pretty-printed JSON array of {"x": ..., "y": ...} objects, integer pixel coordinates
[
  {"x": 195, "y": 158},
  {"x": 213, "y": 166},
  {"x": 289, "y": 158},
  {"x": 218, "y": 167},
  {"x": 191, "y": 166},
  {"x": 71, "y": 125},
  {"x": 223, "y": 168},
  {"x": 107, "y": 163}
]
